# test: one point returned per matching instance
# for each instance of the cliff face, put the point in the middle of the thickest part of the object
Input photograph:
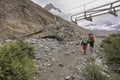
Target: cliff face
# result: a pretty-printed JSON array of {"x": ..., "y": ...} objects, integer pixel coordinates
[{"x": 22, "y": 17}]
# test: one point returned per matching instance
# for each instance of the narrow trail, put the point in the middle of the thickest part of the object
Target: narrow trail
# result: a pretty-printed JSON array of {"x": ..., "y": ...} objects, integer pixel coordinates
[{"x": 60, "y": 62}]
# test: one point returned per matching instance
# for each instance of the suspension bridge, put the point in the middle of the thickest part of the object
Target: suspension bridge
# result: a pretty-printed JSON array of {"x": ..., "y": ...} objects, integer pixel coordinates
[{"x": 109, "y": 8}]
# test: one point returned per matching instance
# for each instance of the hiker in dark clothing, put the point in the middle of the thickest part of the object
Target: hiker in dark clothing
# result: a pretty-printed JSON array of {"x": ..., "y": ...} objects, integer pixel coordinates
[
  {"x": 84, "y": 44},
  {"x": 92, "y": 40}
]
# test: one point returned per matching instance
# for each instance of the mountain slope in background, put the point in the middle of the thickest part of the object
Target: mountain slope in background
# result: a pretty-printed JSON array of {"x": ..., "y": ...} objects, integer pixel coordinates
[
  {"x": 107, "y": 25},
  {"x": 22, "y": 17},
  {"x": 50, "y": 6},
  {"x": 56, "y": 11}
]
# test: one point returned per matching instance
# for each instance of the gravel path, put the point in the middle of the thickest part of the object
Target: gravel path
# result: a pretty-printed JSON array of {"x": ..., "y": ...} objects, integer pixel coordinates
[{"x": 55, "y": 61}]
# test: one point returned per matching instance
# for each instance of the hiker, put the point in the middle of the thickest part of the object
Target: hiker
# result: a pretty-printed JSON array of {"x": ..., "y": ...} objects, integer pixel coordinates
[
  {"x": 92, "y": 39},
  {"x": 84, "y": 44}
]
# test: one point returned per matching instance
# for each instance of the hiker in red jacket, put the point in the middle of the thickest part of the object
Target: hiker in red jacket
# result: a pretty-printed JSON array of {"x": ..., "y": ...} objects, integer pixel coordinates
[{"x": 84, "y": 44}]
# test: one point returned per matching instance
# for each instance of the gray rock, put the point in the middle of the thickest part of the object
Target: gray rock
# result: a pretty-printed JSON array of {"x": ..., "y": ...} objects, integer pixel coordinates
[
  {"x": 69, "y": 78},
  {"x": 61, "y": 65},
  {"x": 67, "y": 53},
  {"x": 53, "y": 59},
  {"x": 38, "y": 58},
  {"x": 47, "y": 65},
  {"x": 38, "y": 72}
]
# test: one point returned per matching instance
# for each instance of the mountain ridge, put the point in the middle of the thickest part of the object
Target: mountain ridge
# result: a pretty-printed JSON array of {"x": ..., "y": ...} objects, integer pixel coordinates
[{"x": 50, "y": 6}]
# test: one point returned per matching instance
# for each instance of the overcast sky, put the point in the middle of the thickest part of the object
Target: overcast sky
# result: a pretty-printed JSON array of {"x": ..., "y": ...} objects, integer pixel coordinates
[{"x": 66, "y": 5}]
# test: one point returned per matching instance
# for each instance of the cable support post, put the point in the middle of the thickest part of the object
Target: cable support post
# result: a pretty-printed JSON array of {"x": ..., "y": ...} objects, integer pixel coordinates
[
  {"x": 112, "y": 10},
  {"x": 87, "y": 16}
]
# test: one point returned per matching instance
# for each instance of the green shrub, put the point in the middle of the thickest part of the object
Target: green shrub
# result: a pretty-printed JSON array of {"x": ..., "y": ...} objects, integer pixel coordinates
[
  {"x": 111, "y": 47},
  {"x": 94, "y": 72},
  {"x": 16, "y": 61}
]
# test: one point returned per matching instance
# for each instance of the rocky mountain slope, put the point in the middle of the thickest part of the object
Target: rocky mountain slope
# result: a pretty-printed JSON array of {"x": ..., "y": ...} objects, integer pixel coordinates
[{"x": 23, "y": 17}]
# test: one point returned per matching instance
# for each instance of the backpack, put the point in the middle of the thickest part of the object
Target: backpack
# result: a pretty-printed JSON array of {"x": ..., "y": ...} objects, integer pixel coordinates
[
  {"x": 84, "y": 41},
  {"x": 92, "y": 38}
]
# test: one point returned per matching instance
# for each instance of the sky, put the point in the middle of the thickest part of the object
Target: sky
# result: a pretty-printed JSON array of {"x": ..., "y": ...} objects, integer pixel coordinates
[
  {"x": 67, "y": 5},
  {"x": 76, "y": 6}
]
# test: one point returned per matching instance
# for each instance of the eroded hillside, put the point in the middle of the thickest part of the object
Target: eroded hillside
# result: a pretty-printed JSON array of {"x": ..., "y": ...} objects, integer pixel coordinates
[{"x": 22, "y": 17}]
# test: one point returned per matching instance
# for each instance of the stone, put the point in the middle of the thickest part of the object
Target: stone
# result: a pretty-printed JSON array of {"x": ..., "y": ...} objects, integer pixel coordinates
[
  {"x": 69, "y": 78},
  {"x": 61, "y": 65},
  {"x": 38, "y": 58},
  {"x": 37, "y": 66},
  {"x": 46, "y": 47},
  {"x": 73, "y": 52},
  {"x": 49, "y": 65},
  {"x": 71, "y": 43},
  {"x": 47, "y": 60},
  {"x": 38, "y": 72},
  {"x": 67, "y": 53},
  {"x": 51, "y": 71},
  {"x": 53, "y": 59},
  {"x": 44, "y": 64},
  {"x": 45, "y": 55},
  {"x": 8, "y": 40},
  {"x": 41, "y": 45}
]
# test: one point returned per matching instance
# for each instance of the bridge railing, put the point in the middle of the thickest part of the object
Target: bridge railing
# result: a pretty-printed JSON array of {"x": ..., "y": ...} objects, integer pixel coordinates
[{"x": 110, "y": 8}]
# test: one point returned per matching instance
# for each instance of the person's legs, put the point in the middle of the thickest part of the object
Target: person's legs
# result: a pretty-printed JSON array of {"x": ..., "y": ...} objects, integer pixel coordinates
[
  {"x": 91, "y": 46},
  {"x": 85, "y": 49}
]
